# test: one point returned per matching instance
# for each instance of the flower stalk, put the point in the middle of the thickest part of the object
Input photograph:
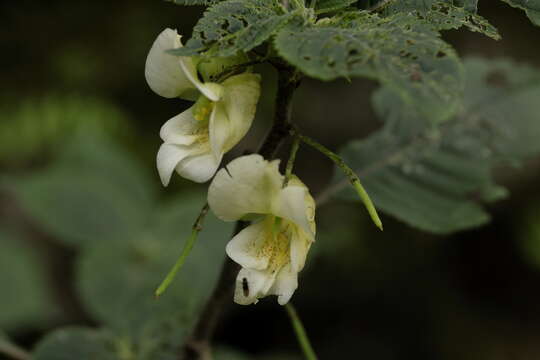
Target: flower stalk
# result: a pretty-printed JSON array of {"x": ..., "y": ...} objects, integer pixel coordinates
[
  {"x": 300, "y": 332},
  {"x": 351, "y": 175},
  {"x": 196, "y": 229}
]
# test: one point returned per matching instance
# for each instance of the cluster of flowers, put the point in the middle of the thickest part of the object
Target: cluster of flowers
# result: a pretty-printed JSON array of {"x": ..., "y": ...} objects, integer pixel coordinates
[{"x": 273, "y": 249}]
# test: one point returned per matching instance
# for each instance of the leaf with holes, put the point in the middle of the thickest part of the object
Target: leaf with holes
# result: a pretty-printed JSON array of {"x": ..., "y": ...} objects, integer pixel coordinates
[
  {"x": 232, "y": 26},
  {"x": 531, "y": 7},
  {"x": 436, "y": 178},
  {"x": 444, "y": 15},
  {"x": 396, "y": 51},
  {"x": 425, "y": 5},
  {"x": 326, "y": 6},
  {"x": 194, "y": 2}
]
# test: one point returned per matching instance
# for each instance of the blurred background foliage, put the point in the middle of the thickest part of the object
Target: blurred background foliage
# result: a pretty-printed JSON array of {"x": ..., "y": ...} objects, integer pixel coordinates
[{"x": 87, "y": 231}]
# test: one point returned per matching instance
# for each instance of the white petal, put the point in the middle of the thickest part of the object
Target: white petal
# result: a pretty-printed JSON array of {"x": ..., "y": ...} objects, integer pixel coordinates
[
  {"x": 211, "y": 90},
  {"x": 219, "y": 129},
  {"x": 294, "y": 205},
  {"x": 181, "y": 129},
  {"x": 244, "y": 248},
  {"x": 300, "y": 244},
  {"x": 240, "y": 96},
  {"x": 252, "y": 285},
  {"x": 163, "y": 71},
  {"x": 247, "y": 186},
  {"x": 199, "y": 168},
  {"x": 168, "y": 158},
  {"x": 285, "y": 284}
]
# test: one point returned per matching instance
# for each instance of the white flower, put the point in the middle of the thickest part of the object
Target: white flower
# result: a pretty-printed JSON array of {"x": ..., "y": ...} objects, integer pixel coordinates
[
  {"x": 273, "y": 249},
  {"x": 195, "y": 140}
]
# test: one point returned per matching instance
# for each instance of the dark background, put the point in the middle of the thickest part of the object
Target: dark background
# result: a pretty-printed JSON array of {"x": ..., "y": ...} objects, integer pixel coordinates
[{"x": 401, "y": 294}]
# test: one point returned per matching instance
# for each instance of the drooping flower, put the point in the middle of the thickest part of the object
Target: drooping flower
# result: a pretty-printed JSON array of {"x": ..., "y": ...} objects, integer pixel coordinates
[
  {"x": 273, "y": 249},
  {"x": 195, "y": 140}
]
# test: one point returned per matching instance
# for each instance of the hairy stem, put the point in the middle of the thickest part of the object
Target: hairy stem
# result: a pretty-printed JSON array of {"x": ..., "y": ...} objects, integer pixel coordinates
[
  {"x": 351, "y": 175},
  {"x": 198, "y": 345}
]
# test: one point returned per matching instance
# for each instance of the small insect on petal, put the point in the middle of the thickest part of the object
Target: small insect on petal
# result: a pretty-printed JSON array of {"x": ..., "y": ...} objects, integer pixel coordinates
[{"x": 245, "y": 287}]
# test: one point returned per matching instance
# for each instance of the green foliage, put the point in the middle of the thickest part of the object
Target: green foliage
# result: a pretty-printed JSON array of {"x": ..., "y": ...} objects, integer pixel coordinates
[
  {"x": 531, "y": 7},
  {"x": 25, "y": 300},
  {"x": 45, "y": 124},
  {"x": 436, "y": 176},
  {"x": 75, "y": 343},
  {"x": 426, "y": 5},
  {"x": 444, "y": 15},
  {"x": 411, "y": 59},
  {"x": 117, "y": 279},
  {"x": 233, "y": 26},
  {"x": 194, "y": 2},
  {"x": 326, "y": 6},
  {"x": 93, "y": 192}
]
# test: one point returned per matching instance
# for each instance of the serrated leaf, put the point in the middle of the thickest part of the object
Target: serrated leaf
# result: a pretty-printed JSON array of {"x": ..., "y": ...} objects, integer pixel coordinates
[
  {"x": 396, "y": 51},
  {"x": 531, "y": 7},
  {"x": 425, "y": 5},
  {"x": 75, "y": 343},
  {"x": 116, "y": 280},
  {"x": 26, "y": 301},
  {"x": 194, "y": 2},
  {"x": 444, "y": 15},
  {"x": 436, "y": 177},
  {"x": 326, "y": 6},
  {"x": 233, "y": 26}
]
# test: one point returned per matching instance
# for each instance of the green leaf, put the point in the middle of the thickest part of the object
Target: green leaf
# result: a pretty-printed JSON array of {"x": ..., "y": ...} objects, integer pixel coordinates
[
  {"x": 194, "y": 2},
  {"x": 396, "y": 51},
  {"x": 116, "y": 280},
  {"x": 46, "y": 124},
  {"x": 531, "y": 7},
  {"x": 232, "y": 26},
  {"x": 26, "y": 301},
  {"x": 326, "y": 6},
  {"x": 94, "y": 192},
  {"x": 437, "y": 176},
  {"x": 75, "y": 343},
  {"x": 426, "y": 5},
  {"x": 444, "y": 15}
]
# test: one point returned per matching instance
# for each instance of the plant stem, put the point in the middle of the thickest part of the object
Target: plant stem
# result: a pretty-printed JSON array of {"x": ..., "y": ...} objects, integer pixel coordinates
[
  {"x": 198, "y": 345},
  {"x": 196, "y": 229},
  {"x": 291, "y": 160},
  {"x": 300, "y": 332},
  {"x": 351, "y": 175}
]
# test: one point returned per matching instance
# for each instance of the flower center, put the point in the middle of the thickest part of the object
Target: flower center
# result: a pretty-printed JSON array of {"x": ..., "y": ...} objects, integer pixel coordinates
[
  {"x": 202, "y": 108},
  {"x": 277, "y": 244}
]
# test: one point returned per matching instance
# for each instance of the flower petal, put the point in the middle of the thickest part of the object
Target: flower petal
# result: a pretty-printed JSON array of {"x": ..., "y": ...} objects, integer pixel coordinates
[
  {"x": 219, "y": 129},
  {"x": 181, "y": 129},
  {"x": 285, "y": 284},
  {"x": 240, "y": 96},
  {"x": 212, "y": 91},
  {"x": 168, "y": 158},
  {"x": 296, "y": 204},
  {"x": 163, "y": 72},
  {"x": 252, "y": 285},
  {"x": 245, "y": 247},
  {"x": 199, "y": 168},
  {"x": 300, "y": 244},
  {"x": 246, "y": 186}
]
